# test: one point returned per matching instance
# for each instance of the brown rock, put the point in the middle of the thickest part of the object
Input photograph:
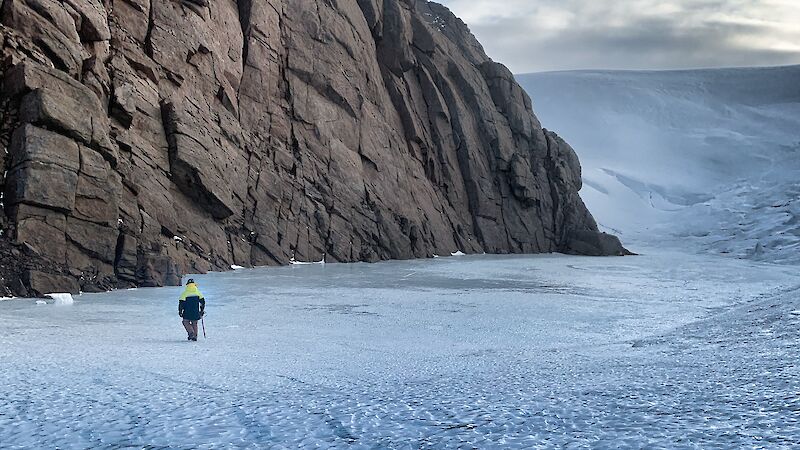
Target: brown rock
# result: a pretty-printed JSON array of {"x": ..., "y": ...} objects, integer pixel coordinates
[
  {"x": 43, "y": 230},
  {"x": 33, "y": 144},
  {"x": 98, "y": 190},
  {"x": 157, "y": 270},
  {"x": 96, "y": 241},
  {"x": 126, "y": 258},
  {"x": 29, "y": 76},
  {"x": 593, "y": 243},
  {"x": 43, "y": 169},
  {"x": 205, "y": 160},
  {"x": 93, "y": 20},
  {"x": 48, "y": 24},
  {"x": 42, "y": 184},
  {"x": 258, "y": 132},
  {"x": 124, "y": 104},
  {"x": 41, "y": 283},
  {"x": 72, "y": 117}
]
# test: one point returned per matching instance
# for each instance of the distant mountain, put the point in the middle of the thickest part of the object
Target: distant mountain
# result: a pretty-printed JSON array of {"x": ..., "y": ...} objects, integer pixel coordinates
[{"x": 702, "y": 158}]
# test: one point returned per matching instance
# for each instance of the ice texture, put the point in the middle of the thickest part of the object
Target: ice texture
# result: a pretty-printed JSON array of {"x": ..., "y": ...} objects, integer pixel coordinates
[{"x": 664, "y": 350}]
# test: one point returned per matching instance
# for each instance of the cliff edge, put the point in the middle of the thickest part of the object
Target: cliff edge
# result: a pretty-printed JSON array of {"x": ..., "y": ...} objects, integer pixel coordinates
[{"x": 145, "y": 139}]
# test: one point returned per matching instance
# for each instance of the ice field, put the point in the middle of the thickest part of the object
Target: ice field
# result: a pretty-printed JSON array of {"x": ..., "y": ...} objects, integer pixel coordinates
[{"x": 662, "y": 350}]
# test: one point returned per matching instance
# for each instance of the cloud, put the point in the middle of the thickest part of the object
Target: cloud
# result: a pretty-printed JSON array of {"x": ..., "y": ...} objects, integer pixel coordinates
[{"x": 538, "y": 35}]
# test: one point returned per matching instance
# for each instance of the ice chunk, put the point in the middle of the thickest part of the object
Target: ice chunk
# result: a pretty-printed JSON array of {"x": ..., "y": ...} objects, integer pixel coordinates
[
  {"x": 62, "y": 299},
  {"x": 235, "y": 267},
  {"x": 303, "y": 263},
  {"x": 41, "y": 302},
  {"x": 458, "y": 253}
]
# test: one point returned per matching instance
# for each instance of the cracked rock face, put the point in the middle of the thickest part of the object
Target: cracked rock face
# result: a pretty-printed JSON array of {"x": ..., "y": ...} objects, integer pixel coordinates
[{"x": 146, "y": 139}]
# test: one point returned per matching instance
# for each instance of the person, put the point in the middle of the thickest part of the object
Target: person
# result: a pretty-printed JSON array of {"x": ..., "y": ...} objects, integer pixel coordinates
[{"x": 191, "y": 308}]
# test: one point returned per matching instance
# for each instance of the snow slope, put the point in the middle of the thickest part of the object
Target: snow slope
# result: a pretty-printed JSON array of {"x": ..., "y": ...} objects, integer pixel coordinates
[
  {"x": 707, "y": 159},
  {"x": 469, "y": 352}
]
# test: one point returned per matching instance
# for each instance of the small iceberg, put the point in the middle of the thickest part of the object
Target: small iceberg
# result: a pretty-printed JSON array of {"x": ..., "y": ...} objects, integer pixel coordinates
[
  {"x": 294, "y": 262},
  {"x": 62, "y": 299}
]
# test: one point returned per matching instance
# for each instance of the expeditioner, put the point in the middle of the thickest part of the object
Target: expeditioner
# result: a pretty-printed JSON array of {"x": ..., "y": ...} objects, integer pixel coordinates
[{"x": 191, "y": 308}]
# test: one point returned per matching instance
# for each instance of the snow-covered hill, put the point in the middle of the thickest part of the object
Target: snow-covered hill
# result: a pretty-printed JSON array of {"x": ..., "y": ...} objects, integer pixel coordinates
[{"x": 707, "y": 159}]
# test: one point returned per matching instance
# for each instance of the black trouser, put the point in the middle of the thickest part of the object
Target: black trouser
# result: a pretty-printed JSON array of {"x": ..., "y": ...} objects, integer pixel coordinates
[{"x": 191, "y": 327}]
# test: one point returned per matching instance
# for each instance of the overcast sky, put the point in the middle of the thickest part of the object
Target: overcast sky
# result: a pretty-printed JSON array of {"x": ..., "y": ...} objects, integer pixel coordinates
[{"x": 539, "y": 35}]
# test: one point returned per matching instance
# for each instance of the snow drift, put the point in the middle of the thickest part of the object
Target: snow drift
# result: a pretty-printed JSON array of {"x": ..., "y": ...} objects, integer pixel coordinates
[{"x": 703, "y": 158}]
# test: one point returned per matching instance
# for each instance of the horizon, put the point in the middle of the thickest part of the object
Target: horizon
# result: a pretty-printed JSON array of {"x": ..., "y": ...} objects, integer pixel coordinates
[
  {"x": 534, "y": 36},
  {"x": 687, "y": 69}
]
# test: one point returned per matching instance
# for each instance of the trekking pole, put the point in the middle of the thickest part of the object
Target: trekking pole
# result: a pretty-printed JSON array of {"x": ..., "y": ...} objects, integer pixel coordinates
[{"x": 203, "y": 322}]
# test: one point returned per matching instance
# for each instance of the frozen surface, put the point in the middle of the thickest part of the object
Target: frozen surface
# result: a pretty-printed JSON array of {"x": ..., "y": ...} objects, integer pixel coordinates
[
  {"x": 658, "y": 351},
  {"x": 707, "y": 159}
]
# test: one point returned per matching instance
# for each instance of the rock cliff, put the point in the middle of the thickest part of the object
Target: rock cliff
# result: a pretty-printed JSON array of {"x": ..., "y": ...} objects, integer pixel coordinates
[{"x": 145, "y": 139}]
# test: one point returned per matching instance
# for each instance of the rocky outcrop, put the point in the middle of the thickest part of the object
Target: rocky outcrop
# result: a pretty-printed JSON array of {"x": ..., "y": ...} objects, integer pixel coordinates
[{"x": 146, "y": 139}]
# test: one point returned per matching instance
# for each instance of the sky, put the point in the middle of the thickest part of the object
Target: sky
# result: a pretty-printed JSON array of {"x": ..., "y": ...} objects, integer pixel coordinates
[{"x": 543, "y": 35}]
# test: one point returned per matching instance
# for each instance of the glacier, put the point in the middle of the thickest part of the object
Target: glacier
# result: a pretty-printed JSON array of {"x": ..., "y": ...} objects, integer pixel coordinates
[{"x": 704, "y": 160}]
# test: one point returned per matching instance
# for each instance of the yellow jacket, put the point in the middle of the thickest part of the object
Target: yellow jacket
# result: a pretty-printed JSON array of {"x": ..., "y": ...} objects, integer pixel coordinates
[{"x": 192, "y": 304}]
